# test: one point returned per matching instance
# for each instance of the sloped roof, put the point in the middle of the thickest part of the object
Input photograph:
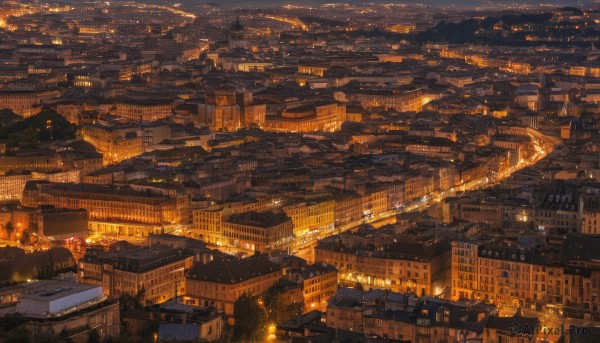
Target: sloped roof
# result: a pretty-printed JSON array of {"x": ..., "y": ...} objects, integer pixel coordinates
[{"x": 233, "y": 271}]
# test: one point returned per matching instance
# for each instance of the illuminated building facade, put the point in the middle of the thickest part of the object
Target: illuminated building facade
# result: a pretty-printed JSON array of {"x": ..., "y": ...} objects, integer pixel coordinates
[
  {"x": 115, "y": 143},
  {"x": 40, "y": 163},
  {"x": 120, "y": 212},
  {"x": 158, "y": 270},
  {"x": 317, "y": 70},
  {"x": 397, "y": 270},
  {"x": 320, "y": 116},
  {"x": 406, "y": 317},
  {"x": 513, "y": 277},
  {"x": 24, "y": 102},
  {"x": 222, "y": 282},
  {"x": 313, "y": 219},
  {"x": 12, "y": 186},
  {"x": 207, "y": 221},
  {"x": 143, "y": 111},
  {"x": 402, "y": 100},
  {"x": 259, "y": 231},
  {"x": 319, "y": 283}
]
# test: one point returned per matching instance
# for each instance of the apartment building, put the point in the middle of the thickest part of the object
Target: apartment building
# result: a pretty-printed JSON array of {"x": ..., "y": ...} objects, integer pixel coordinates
[
  {"x": 406, "y": 317},
  {"x": 143, "y": 110},
  {"x": 564, "y": 281},
  {"x": 319, "y": 282},
  {"x": 207, "y": 219},
  {"x": 221, "y": 282},
  {"x": 158, "y": 271},
  {"x": 401, "y": 266},
  {"x": 318, "y": 116},
  {"x": 259, "y": 231},
  {"x": 23, "y": 102},
  {"x": 400, "y": 99},
  {"x": 112, "y": 210},
  {"x": 312, "y": 218},
  {"x": 115, "y": 142}
]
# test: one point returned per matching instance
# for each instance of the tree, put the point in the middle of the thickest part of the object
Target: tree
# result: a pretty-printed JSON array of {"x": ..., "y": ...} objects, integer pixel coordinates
[
  {"x": 44, "y": 126},
  {"x": 26, "y": 138},
  {"x": 18, "y": 335},
  {"x": 10, "y": 228},
  {"x": 278, "y": 309},
  {"x": 250, "y": 320},
  {"x": 93, "y": 337},
  {"x": 64, "y": 334},
  {"x": 49, "y": 336}
]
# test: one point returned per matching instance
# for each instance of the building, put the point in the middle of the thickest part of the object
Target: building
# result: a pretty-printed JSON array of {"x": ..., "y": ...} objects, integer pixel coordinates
[
  {"x": 158, "y": 271},
  {"x": 207, "y": 221},
  {"x": 313, "y": 219},
  {"x": 319, "y": 283},
  {"x": 259, "y": 231},
  {"x": 405, "y": 317},
  {"x": 24, "y": 102},
  {"x": 181, "y": 322},
  {"x": 115, "y": 142},
  {"x": 12, "y": 186},
  {"x": 143, "y": 110},
  {"x": 379, "y": 262},
  {"x": 221, "y": 282},
  {"x": 189, "y": 246},
  {"x": 317, "y": 69},
  {"x": 591, "y": 217},
  {"x": 559, "y": 281},
  {"x": 560, "y": 210},
  {"x": 18, "y": 266},
  {"x": 516, "y": 328},
  {"x": 207, "y": 224},
  {"x": 237, "y": 35},
  {"x": 318, "y": 116},
  {"x": 504, "y": 275},
  {"x": 401, "y": 99},
  {"x": 73, "y": 308},
  {"x": 581, "y": 277},
  {"x": 348, "y": 207},
  {"x": 40, "y": 162},
  {"x": 113, "y": 210},
  {"x": 60, "y": 224}
]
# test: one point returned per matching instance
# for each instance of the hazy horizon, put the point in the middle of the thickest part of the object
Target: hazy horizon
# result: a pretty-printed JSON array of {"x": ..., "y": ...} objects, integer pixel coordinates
[{"x": 434, "y": 3}]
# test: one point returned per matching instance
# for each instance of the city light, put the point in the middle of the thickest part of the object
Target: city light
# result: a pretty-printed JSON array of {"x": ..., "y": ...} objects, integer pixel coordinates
[{"x": 251, "y": 172}]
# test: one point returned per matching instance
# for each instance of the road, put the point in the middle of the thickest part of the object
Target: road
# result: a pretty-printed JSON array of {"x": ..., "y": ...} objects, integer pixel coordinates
[{"x": 437, "y": 196}]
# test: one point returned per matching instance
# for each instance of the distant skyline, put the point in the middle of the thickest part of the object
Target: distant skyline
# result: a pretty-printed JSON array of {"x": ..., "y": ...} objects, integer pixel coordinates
[{"x": 437, "y": 3}]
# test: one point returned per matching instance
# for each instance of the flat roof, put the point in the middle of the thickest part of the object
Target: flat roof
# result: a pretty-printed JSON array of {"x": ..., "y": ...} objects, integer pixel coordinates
[{"x": 60, "y": 292}]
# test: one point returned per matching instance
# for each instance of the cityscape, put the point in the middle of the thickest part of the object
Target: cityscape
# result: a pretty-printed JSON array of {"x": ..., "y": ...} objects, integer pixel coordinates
[{"x": 307, "y": 172}]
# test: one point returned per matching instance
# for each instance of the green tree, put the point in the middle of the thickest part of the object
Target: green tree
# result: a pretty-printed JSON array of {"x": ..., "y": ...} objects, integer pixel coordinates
[{"x": 250, "y": 320}]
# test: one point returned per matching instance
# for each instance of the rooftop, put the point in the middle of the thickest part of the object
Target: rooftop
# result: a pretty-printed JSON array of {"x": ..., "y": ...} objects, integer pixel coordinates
[{"x": 235, "y": 271}]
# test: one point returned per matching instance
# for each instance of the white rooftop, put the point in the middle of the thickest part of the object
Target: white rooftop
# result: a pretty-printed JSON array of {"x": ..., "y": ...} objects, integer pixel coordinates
[{"x": 59, "y": 301}]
